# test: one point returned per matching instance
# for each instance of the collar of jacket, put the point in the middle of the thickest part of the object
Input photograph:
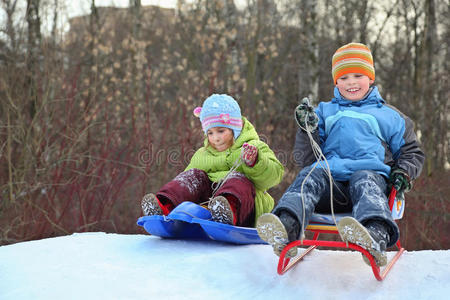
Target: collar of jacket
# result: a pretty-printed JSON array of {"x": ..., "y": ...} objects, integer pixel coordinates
[{"x": 372, "y": 97}]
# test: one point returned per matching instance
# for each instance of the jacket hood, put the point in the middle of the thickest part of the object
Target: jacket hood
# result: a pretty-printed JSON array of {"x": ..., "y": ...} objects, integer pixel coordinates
[{"x": 372, "y": 97}]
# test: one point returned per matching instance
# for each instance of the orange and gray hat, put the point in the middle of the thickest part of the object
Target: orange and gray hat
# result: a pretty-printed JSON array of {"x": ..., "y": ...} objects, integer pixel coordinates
[{"x": 352, "y": 58}]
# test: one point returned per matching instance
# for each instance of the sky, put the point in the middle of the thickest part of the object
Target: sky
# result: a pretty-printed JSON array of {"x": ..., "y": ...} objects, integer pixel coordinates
[
  {"x": 73, "y": 8},
  {"x": 82, "y": 7},
  {"x": 114, "y": 266}
]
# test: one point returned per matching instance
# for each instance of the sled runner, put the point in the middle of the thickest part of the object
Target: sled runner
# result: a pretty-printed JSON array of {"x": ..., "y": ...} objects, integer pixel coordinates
[
  {"x": 192, "y": 221},
  {"x": 325, "y": 224}
]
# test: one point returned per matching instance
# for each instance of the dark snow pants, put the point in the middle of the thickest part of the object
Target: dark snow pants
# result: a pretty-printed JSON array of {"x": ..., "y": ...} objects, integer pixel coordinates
[
  {"x": 195, "y": 186},
  {"x": 364, "y": 195}
]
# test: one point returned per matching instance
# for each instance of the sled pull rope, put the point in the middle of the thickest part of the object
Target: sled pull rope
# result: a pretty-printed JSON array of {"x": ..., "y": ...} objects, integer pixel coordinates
[
  {"x": 320, "y": 158},
  {"x": 216, "y": 185}
]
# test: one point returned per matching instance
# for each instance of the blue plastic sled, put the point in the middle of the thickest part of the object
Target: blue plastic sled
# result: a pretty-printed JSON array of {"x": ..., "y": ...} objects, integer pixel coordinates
[{"x": 191, "y": 221}]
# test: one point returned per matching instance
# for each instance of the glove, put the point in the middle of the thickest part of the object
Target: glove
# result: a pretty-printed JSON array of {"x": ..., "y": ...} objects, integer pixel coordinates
[
  {"x": 400, "y": 180},
  {"x": 305, "y": 116},
  {"x": 249, "y": 154}
]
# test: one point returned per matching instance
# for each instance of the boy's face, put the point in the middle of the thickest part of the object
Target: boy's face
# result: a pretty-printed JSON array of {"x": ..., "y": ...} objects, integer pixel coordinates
[
  {"x": 220, "y": 138},
  {"x": 353, "y": 86}
]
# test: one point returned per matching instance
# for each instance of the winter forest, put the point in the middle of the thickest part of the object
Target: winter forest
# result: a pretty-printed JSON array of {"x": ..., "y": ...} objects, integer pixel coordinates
[{"x": 98, "y": 112}]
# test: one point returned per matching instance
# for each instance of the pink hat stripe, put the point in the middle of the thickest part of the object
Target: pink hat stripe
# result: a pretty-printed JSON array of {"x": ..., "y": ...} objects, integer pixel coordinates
[
  {"x": 231, "y": 120},
  {"x": 222, "y": 119},
  {"x": 234, "y": 122}
]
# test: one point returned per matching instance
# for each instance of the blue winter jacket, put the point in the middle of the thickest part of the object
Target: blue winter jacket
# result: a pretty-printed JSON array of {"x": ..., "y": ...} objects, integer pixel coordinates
[{"x": 362, "y": 135}]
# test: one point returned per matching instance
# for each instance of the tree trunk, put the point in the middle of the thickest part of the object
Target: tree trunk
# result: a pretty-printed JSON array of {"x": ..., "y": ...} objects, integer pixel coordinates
[
  {"x": 364, "y": 17},
  {"x": 429, "y": 86},
  {"x": 55, "y": 22},
  {"x": 307, "y": 71},
  {"x": 135, "y": 8},
  {"x": 33, "y": 47}
]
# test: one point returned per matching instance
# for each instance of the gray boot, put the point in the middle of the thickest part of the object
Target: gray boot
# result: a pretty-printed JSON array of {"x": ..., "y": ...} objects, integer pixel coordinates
[
  {"x": 272, "y": 230},
  {"x": 221, "y": 210},
  {"x": 372, "y": 238},
  {"x": 150, "y": 205}
]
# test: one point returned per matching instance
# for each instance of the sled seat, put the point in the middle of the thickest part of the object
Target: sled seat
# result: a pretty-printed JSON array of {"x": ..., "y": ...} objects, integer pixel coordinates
[{"x": 321, "y": 223}]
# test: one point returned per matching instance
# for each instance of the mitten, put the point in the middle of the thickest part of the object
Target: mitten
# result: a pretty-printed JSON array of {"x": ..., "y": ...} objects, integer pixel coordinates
[
  {"x": 249, "y": 154},
  {"x": 400, "y": 180},
  {"x": 305, "y": 116}
]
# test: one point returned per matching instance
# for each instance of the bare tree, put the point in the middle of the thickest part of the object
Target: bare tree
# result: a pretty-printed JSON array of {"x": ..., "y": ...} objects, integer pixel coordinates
[
  {"x": 54, "y": 31},
  {"x": 429, "y": 83},
  {"x": 112, "y": 103},
  {"x": 135, "y": 9},
  {"x": 308, "y": 67},
  {"x": 33, "y": 47},
  {"x": 10, "y": 8},
  {"x": 364, "y": 17}
]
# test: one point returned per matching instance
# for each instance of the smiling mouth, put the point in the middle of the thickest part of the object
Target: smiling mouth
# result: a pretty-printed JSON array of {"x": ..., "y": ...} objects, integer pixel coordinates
[{"x": 353, "y": 90}]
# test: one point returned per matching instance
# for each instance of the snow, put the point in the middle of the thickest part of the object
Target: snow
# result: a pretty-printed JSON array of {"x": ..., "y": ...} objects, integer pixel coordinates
[{"x": 114, "y": 266}]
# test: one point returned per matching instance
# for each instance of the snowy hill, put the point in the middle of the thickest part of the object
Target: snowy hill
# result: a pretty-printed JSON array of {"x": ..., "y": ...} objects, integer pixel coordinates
[{"x": 113, "y": 266}]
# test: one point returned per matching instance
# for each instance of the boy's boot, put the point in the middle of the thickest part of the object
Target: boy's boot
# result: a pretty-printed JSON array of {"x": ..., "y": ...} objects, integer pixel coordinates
[
  {"x": 221, "y": 210},
  {"x": 379, "y": 232},
  {"x": 278, "y": 231},
  {"x": 150, "y": 205},
  {"x": 374, "y": 238}
]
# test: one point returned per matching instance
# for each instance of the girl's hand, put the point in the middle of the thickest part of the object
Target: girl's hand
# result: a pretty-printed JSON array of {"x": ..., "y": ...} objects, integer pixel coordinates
[{"x": 249, "y": 154}]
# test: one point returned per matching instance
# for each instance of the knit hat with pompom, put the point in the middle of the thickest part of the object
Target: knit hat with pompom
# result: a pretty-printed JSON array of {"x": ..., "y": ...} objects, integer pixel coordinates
[{"x": 220, "y": 110}]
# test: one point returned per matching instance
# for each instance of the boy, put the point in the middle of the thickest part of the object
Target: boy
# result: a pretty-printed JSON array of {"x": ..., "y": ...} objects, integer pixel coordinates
[{"x": 368, "y": 146}]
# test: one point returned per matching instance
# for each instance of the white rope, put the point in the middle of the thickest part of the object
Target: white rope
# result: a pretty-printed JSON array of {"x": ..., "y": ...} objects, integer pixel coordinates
[
  {"x": 217, "y": 185},
  {"x": 220, "y": 183},
  {"x": 320, "y": 158}
]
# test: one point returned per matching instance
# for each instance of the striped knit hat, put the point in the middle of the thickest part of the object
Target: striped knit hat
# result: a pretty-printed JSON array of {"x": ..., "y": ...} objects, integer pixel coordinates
[
  {"x": 352, "y": 58},
  {"x": 220, "y": 111}
]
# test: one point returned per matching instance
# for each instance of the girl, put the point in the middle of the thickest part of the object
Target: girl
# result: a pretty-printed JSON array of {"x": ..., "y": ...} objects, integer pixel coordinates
[{"x": 231, "y": 172}]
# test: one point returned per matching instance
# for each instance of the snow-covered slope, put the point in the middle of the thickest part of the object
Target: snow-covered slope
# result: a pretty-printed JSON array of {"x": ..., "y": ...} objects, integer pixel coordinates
[{"x": 113, "y": 266}]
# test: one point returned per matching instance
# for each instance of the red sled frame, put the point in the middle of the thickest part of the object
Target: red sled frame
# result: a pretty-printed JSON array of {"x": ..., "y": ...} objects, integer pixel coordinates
[{"x": 286, "y": 263}]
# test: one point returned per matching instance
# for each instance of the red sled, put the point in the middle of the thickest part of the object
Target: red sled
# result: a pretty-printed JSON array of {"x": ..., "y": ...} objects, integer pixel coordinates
[{"x": 397, "y": 206}]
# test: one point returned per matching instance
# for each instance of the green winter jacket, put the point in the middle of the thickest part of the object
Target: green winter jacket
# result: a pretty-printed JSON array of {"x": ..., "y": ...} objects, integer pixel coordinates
[{"x": 266, "y": 173}]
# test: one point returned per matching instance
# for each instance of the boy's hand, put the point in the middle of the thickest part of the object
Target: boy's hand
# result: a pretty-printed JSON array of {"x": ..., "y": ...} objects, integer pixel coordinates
[
  {"x": 249, "y": 154},
  {"x": 305, "y": 116},
  {"x": 400, "y": 180}
]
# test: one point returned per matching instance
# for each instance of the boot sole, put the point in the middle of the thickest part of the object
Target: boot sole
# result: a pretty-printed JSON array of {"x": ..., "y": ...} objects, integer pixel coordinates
[
  {"x": 271, "y": 230},
  {"x": 353, "y": 232},
  {"x": 221, "y": 210},
  {"x": 150, "y": 206}
]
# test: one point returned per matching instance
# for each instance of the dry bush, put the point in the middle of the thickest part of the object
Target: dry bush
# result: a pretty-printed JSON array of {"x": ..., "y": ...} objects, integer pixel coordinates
[
  {"x": 427, "y": 215},
  {"x": 106, "y": 116}
]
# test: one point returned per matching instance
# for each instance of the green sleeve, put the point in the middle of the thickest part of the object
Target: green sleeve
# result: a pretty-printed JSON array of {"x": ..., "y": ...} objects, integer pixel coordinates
[{"x": 195, "y": 162}]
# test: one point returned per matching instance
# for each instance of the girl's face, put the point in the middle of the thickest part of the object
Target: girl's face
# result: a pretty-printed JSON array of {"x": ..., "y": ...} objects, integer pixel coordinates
[
  {"x": 353, "y": 86},
  {"x": 220, "y": 138}
]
